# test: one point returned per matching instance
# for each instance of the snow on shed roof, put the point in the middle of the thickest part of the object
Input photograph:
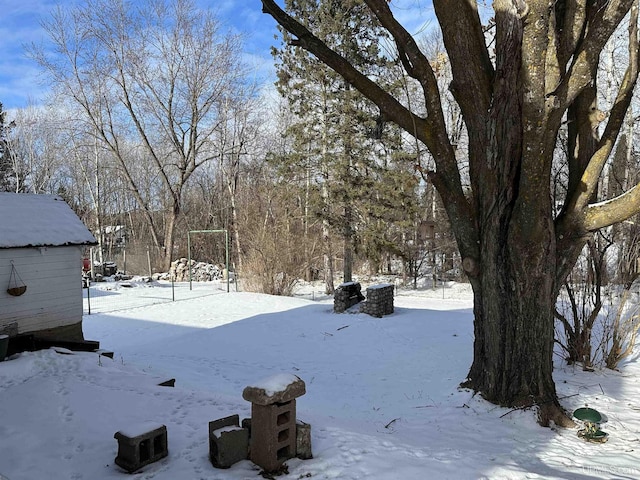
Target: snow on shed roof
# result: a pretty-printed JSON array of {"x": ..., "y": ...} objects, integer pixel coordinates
[{"x": 29, "y": 220}]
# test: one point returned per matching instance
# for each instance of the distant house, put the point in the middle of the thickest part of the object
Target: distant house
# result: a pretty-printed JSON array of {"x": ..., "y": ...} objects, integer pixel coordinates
[
  {"x": 41, "y": 243},
  {"x": 112, "y": 235}
]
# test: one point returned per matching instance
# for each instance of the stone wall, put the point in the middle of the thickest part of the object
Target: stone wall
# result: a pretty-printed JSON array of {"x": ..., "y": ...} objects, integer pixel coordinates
[
  {"x": 379, "y": 300},
  {"x": 346, "y": 296}
]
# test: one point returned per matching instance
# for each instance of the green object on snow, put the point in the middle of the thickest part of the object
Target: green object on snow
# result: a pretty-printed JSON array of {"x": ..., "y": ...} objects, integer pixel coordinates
[
  {"x": 588, "y": 415},
  {"x": 593, "y": 435},
  {"x": 591, "y": 418}
]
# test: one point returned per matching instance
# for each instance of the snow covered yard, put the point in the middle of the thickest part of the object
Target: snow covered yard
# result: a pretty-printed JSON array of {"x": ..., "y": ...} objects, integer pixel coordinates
[{"x": 382, "y": 395}]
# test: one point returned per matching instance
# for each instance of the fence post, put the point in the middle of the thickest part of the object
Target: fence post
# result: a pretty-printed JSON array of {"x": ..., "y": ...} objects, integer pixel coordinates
[{"x": 89, "y": 296}]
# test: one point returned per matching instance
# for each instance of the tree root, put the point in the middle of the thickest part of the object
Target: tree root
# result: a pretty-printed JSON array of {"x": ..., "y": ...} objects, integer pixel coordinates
[{"x": 549, "y": 412}]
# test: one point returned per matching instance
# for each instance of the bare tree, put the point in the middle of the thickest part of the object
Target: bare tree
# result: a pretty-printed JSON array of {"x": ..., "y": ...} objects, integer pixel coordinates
[
  {"x": 36, "y": 154},
  {"x": 240, "y": 125},
  {"x": 152, "y": 76}
]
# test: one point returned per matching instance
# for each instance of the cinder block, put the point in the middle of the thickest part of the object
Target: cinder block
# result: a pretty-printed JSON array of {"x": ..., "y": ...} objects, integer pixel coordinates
[
  {"x": 246, "y": 423},
  {"x": 140, "y": 445},
  {"x": 228, "y": 442},
  {"x": 303, "y": 440},
  {"x": 273, "y": 434}
]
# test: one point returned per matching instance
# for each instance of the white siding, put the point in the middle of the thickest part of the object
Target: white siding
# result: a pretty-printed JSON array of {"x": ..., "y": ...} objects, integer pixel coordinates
[{"x": 54, "y": 287}]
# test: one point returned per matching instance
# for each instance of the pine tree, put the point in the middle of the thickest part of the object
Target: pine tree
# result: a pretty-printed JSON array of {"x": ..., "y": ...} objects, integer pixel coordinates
[{"x": 338, "y": 136}]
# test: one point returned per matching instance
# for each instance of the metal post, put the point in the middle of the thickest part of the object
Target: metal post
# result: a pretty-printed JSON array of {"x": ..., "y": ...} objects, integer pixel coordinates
[
  {"x": 91, "y": 257},
  {"x": 189, "y": 255},
  {"x": 226, "y": 248}
]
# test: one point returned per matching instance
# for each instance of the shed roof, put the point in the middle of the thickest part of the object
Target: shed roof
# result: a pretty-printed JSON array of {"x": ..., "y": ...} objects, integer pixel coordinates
[{"x": 30, "y": 220}]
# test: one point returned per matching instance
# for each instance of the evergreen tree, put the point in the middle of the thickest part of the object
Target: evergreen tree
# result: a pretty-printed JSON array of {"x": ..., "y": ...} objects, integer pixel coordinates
[{"x": 339, "y": 139}]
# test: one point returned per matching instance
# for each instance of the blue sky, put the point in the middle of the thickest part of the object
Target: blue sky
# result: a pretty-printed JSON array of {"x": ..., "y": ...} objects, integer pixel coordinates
[{"x": 20, "y": 81}]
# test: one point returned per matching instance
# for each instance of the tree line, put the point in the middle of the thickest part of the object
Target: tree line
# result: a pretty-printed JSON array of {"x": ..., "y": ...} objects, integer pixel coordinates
[{"x": 157, "y": 123}]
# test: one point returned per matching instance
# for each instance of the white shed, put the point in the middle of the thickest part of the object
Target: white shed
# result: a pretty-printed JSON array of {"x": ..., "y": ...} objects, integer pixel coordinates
[{"x": 41, "y": 243}]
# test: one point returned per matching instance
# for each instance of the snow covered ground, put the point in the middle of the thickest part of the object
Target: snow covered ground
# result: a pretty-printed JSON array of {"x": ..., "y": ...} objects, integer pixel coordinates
[{"x": 382, "y": 395}]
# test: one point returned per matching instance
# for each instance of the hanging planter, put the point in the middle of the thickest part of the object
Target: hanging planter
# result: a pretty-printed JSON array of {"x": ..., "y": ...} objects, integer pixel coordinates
[
  {"x": 17, "y": 291},
  {"x": 16, "y": 286}
]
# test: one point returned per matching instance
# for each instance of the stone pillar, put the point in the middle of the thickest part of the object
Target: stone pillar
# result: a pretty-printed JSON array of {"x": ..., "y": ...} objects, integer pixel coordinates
[
  {"x": 379, "y": 300},
  {"x": 273, "y": 420},
  {"x": 346, "y": 295}
]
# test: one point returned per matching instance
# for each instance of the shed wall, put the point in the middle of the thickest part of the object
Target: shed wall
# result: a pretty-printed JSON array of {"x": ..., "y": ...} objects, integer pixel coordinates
[{"x": 54, "y": 288}]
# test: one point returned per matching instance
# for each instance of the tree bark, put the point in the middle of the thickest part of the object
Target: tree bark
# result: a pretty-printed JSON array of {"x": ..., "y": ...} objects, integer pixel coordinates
[
  {"x": 513, "y": 322},
  {"x": 347, "y": 245},
  {"x": 327, "y": 254},
  {"x": 169, "y": 240}
]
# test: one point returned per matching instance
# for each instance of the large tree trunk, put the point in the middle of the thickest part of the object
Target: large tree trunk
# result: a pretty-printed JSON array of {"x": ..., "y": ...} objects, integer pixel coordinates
[
  {"x": 513, "y": 309},
  {"x": 514, "y": 284}
]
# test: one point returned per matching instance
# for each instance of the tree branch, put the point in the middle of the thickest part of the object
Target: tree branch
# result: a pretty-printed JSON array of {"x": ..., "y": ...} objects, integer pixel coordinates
[
  {"x": 470, "y": 63},
  {"x": 395, "y": 111},
  {"x": 603, "y": 17},
  {"x": 616, "y": 210},
  {"x": 617, "y": 114},
  {"x": 570, "y": 26},
  {"x": 413, "y": 60}
]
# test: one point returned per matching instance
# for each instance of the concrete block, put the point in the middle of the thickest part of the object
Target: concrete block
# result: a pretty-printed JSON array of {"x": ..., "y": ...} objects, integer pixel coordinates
[
  {"x": 246, "y": 423},
  {"x": 273, "y": 434},
  {"x": 228, "y": 442},
  {"x": 303, "y": 440},
  {"x": 140, "y": 445}
]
